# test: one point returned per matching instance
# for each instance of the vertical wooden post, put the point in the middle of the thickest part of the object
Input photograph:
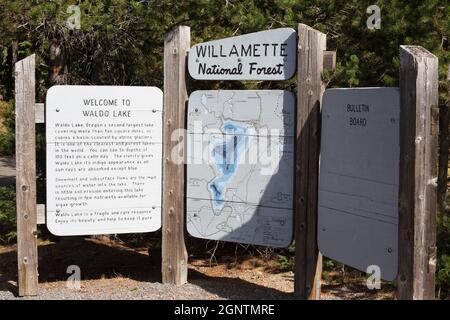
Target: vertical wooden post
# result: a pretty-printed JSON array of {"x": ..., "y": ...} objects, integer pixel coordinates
[
  {"x": 417, "y": 184},
  {"x": 26, "y": 176},
  {"x": 174, "y": 254},
  {"x": 308, "y": 260}
]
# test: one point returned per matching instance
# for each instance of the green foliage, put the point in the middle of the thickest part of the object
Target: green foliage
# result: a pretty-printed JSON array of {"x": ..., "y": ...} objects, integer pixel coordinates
[{"x": 7, "y": 214}]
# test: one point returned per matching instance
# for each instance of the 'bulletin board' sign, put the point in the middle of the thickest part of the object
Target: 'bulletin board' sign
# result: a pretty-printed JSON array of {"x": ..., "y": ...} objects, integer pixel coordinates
[
  {"x": 358, "y": 183},
  {"x": 265, "y": 55},
  {"x": 104, "y": 159}
]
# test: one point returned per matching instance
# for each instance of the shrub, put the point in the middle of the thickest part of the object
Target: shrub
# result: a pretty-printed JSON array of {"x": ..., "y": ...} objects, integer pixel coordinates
[
  {"x": 7, "y": 141},
  {"x": 443, "y": 267}
]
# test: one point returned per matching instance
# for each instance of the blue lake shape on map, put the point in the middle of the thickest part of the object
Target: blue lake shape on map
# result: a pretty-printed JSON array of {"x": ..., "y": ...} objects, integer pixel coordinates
[{"x": 226, "y": 154}]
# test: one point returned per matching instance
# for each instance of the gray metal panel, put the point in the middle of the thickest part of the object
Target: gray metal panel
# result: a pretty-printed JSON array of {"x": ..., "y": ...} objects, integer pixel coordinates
[
  {"x": 251, "y": 202},
  {"x": 358, "y": 183},
  {"x": 265, "y": 55}
]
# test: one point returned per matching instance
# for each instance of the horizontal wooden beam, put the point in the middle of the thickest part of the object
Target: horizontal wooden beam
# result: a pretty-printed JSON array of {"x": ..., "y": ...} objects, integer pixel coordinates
[
  {"x": 40, "y": 213},
  {"x": 26, "y": 176},
  {"x": 329, "y": 60}
]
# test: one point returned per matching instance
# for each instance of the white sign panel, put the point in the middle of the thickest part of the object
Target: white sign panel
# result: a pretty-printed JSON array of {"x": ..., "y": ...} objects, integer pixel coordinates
[
  {"x": 358, "y": 183},
  {"x": 240, "y": 166},
  {"x": 104, "y": 159},
  {"x": 265, "y": 55}
]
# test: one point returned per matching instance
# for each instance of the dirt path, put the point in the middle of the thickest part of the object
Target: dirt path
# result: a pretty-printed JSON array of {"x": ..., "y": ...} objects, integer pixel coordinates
[{"x": 113, "y": 271}]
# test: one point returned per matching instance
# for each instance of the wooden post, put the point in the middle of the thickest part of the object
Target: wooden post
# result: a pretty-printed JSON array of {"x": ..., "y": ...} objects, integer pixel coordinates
[
  {"x": 417, "y": 184},
  {"x": 308, "y": 260},
  {"x": 26, "y": 176},
  {"x": 174, "y": 254}
]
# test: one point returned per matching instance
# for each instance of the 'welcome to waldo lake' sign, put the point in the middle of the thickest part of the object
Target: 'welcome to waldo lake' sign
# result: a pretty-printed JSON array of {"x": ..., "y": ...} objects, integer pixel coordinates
[{"x": 265, "y": 55}]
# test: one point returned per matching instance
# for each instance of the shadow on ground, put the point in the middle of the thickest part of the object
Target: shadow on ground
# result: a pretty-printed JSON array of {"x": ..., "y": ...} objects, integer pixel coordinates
[{"x": 103, "y": 260}]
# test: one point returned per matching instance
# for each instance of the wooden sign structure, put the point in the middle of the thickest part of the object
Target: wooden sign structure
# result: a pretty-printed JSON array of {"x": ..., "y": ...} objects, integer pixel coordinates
[
  {"x": 311, "y": 59},
  {"x": 358, "y": 182},
  {"x": 104, "y": 159},
  {"x": 419, "y": 129}
]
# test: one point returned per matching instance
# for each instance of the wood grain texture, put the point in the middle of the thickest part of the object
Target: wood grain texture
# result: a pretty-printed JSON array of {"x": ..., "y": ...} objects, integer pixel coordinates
[
  {"x": 26, "y": 176},
  {"x": 418, "y": 171},
  {"x": 174, "y": 254},
  {"x": 40, "y": 209},
  {"x": 308, "y": 260}
]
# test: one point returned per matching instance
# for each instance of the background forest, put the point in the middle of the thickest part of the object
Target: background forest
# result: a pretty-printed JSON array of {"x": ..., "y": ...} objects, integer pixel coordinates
[{"x": 120, "y": 42}]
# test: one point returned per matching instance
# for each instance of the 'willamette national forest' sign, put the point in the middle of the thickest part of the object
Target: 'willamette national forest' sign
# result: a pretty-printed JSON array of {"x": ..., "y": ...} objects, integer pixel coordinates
[
  {"x": 358, "y": 184},
  {"x": 265, "y": 55},
  {"x": 104, "y": 159}
]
